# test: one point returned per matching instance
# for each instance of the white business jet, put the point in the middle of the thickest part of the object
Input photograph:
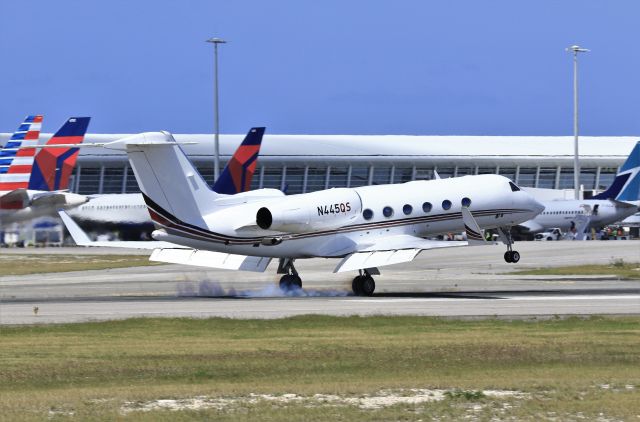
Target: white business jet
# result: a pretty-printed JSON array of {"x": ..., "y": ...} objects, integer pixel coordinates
[{"x": 366, "y": 227}]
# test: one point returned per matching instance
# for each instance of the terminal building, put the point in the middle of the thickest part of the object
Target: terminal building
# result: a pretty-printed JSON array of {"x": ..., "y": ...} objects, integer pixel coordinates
[{"x": 306, "y": 163}]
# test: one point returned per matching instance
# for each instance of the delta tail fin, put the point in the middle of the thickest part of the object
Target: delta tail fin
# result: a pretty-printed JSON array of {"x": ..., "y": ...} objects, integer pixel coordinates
[
  {"x": 53, "y": 166},
  {"x": 16, "y": 161},
  {"x": 626, "y": 185},
  {"x": 237, "y": 175}
]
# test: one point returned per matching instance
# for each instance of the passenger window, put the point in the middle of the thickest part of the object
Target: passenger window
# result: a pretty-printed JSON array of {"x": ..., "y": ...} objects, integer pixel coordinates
[
  {"x": 466, "y": 202},
  {"x": 387, "y": 211},
  {"x": 367, "y": 214},
  {"x": 407, "y": 209},
  {"x": 446, "y": 204},
  {"x": 426, "y": 207}
]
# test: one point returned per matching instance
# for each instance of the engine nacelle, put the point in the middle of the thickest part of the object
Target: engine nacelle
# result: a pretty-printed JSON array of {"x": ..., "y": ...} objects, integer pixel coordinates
[{"x": 323, "y": 210}]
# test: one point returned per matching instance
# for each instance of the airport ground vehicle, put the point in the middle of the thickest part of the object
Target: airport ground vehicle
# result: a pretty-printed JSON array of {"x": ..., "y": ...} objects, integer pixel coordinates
[{"x": 553, "y": 234}]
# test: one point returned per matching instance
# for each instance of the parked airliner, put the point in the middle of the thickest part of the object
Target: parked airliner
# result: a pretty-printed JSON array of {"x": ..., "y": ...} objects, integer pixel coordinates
[
  {"x": 618, "y": 202},
  {"x": 33, "y": 185},
  {"x": 365, "y": 227}
]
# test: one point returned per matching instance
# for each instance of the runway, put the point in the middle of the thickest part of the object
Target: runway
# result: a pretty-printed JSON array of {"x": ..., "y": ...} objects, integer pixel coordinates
[{"x": 464, "y": 282}]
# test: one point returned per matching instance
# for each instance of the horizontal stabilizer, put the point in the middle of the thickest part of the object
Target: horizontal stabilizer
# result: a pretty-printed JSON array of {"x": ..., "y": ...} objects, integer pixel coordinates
[
  {"x": 81, "y": 238},
  {"x": 211, "y": 259}
]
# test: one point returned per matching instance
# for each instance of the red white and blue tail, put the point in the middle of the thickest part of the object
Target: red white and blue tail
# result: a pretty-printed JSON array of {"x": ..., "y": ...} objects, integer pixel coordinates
[
  {"x": 16, "y": 161},
  {"x": 53, "y": 166}
]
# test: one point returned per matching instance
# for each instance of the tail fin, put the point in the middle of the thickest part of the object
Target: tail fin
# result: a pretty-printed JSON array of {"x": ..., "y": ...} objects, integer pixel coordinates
[
  {"x": 171, "y": 185},
  {"x": 236, "y": 176},
  {"x": 626, "y": 185},
  {"x": 16, "y": 163},
  {"x": 53, "y": 166}
]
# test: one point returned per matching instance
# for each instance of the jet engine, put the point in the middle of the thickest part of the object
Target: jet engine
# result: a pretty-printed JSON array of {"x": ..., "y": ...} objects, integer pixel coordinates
[{"x": 323, "y": 210}]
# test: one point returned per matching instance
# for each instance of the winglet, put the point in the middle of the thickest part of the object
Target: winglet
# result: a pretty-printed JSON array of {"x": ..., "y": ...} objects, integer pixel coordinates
[{"x": 474, "y": 234}]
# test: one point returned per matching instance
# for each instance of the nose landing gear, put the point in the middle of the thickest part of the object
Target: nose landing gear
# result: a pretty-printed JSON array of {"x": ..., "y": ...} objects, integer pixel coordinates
[
  {"x": 510, "y": 255},
  {"x": 363, "y": 284}
]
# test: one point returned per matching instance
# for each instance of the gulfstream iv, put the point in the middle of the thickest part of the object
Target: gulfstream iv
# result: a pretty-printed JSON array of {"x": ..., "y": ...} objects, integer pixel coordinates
[{"x": 365, "y": 227}]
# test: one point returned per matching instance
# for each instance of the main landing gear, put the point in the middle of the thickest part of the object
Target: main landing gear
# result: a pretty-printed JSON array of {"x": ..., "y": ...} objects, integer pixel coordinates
[
  {"x": 363, "y": 284},
  {"x": 510, "y": 255},
  {"x": 290, "y": 280}
]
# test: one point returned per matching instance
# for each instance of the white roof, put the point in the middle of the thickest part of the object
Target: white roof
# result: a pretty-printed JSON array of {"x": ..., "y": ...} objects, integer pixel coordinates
[{"x": 479, "y": 150}]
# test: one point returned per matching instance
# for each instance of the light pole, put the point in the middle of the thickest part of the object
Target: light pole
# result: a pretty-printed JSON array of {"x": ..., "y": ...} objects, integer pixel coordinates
[
  {"x": 575, "y": 49},
  {"x": 216, "y": 156}
]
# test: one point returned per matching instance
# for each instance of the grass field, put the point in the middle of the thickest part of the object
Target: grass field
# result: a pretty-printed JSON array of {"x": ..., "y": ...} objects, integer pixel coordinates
[
  {"x": 626, "y": 270},
  {"x": 322, "y": 368},
  {"x": 14, "y": 264}
]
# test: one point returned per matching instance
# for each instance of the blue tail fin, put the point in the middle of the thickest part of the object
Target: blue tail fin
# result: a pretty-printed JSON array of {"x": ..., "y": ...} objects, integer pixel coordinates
[
  {"x": 236, "y": 176},
  {"x": 626, "y": 185}
]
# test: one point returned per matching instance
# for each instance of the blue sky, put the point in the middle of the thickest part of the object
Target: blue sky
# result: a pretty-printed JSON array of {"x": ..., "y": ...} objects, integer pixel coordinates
[{"x": 322, "y": 67}]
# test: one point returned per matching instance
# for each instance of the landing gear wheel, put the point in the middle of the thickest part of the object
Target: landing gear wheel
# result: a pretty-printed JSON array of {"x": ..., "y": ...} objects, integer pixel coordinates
[
  {"x": 290, "y": 282},
  {"x": 363, "y": 285},
  {"x": 512, "y": 256},
  {"x": 356, "y": 285},
  {"x": 368, "y": 286}
]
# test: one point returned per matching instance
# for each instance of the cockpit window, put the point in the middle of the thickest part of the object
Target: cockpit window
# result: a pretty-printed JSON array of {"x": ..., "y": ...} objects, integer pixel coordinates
[{"x": 514, "y": 188}]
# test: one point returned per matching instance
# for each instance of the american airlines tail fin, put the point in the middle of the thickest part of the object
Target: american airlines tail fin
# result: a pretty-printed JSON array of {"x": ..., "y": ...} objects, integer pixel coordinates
[
  {"x": 16, "y": 161},
  {"x": 169, "y": 182},
  {"x": 626, "y": 185},
  {"x": 238, "y": 173},
  {"x": 53, "y": 166}
]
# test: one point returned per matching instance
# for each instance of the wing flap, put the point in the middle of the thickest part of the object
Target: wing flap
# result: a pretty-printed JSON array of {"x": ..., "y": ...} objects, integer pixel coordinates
[
  {"x": 363, "y": 260},
  {"x": 210, "y": 259},
  {"x": 392, "y": 250}
]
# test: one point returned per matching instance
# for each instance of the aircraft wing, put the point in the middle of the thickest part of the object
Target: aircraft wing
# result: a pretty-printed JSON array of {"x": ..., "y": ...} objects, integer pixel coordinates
[
  {"x": 392, "y": 250},
  {"x": 395, "y": 249},
  {"x": 57, "y": 198}
]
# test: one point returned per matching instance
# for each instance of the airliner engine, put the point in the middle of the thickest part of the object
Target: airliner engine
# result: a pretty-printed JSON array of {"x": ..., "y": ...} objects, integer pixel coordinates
[{"x": 321, "y": 210}]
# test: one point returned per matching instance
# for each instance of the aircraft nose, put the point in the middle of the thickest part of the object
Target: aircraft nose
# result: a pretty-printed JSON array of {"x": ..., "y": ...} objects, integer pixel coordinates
[{"x": 536, "y": 206}]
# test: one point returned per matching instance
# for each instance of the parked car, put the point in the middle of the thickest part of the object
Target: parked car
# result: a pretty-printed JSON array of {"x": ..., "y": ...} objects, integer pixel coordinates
[{"x": 553, "y": 234}]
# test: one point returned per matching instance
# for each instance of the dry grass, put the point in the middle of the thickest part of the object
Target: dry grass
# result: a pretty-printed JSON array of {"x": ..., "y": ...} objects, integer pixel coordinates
[
  {"x": 88, "y": 371},
  {"x": 18, "y": 264}
]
